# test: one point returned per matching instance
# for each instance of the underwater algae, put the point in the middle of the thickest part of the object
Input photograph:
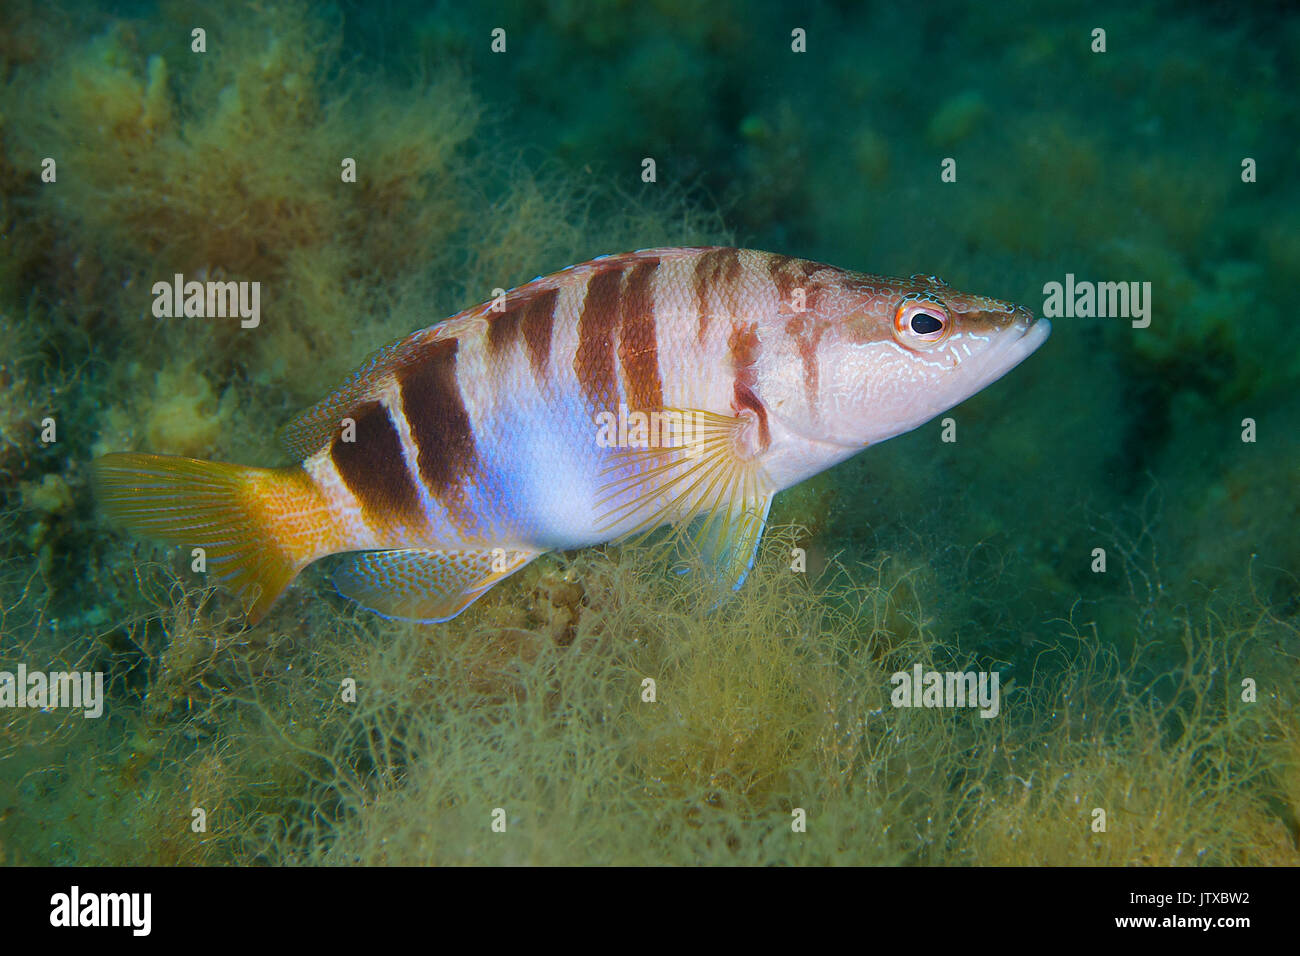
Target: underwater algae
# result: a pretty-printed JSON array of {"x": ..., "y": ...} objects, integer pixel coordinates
[{"x": 1123, "y": 695}]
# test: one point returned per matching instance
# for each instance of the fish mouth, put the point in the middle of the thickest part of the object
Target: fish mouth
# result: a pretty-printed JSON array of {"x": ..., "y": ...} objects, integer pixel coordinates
[
  {"x": 1029, "y": 341},
  {"x": 1037, "y": 333},
  {"x": 1003, "y": 356}
]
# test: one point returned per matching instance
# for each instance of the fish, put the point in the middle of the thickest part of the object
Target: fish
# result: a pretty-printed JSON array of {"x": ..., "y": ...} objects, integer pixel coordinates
[{"x": 671, "y": 386}]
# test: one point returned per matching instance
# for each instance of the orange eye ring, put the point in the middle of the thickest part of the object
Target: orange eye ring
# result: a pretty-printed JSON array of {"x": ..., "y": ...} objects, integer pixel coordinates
[{"x": 921, "y": 323}]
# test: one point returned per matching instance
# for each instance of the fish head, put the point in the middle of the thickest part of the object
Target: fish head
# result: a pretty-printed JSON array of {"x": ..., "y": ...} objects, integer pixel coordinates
[{"x": 882, "y": 356}]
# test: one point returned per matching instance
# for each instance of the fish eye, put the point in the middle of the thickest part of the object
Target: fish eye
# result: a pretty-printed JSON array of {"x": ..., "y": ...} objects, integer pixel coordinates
[{"x": 921, "y": 322}]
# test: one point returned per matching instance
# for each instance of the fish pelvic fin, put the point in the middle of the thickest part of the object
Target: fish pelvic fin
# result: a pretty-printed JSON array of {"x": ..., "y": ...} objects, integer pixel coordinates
[
  {"x": 258, "y": 527},
  {"x": 728, "y": 537},
  {"x": 426, "y": 586}
]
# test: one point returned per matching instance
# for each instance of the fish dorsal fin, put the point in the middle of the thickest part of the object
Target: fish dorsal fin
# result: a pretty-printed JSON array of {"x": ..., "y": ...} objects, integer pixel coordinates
[
  {"x": 707, "y": 472},
  {"x": 427, "y": 586},
  {"x": 314, "y": 428}
]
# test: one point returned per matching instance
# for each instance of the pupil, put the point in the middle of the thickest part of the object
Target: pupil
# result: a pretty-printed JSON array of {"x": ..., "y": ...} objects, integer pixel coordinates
[{"x": 923, "y": 323}]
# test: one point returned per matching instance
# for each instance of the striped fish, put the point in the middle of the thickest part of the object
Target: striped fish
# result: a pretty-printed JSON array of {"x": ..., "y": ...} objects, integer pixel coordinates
[{"x": 613, "y": 397}]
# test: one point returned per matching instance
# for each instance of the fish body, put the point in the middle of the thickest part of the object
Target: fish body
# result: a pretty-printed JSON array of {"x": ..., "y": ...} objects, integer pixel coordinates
[{"x": 635, "y": 390}]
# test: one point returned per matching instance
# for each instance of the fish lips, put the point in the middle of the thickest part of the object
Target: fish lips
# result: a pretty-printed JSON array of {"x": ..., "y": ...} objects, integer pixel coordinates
[{"x": 1003, "y": 357}]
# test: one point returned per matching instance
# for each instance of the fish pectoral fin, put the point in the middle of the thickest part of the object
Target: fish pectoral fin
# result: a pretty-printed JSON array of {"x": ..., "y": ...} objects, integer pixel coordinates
[
  {"x": 426, "y": 586},
  {"x": 728, "y": 538},
  {"x": 703, "y": 468}
]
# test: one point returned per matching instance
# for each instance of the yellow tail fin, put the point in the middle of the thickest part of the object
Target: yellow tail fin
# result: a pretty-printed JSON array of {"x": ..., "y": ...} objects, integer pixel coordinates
[{"x": 258, "y": 526}]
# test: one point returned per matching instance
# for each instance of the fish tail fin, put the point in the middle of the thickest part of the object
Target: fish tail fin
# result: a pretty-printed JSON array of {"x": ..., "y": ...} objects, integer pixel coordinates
[{"x": 258, "y": 526}]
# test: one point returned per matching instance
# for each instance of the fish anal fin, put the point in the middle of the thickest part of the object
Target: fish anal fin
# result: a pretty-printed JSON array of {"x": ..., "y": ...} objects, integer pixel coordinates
[{"x": 427, "y": 586}]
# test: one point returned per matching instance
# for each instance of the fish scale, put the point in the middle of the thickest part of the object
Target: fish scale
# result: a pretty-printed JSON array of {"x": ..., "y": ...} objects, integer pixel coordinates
[{"x": 660, "y": 386}]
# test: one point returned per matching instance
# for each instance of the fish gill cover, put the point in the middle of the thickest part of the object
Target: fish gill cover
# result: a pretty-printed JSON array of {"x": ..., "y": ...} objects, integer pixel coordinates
[{"x": 1103, "y": 541}]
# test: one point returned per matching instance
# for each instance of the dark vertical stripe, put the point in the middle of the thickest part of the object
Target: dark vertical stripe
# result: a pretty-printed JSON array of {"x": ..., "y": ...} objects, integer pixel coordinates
[
  {"x": 530, "y": 317},
  {"x": 594, "y": 360},
  {"x": 374, "y": 470},
  {"x": 813, "y": 287},
  {"x": 638, "y": 344},
  {"x": 503, "y": 330},
  {"x": 807, "y": 330},
  {"x": 708, "y": 269},
  {"x": 440, "y": 425},
  {"x": 730, "y": 268},
  {"x": 538, "y": 322},
  {"x": 781, "y": 269},
  {"x": 742, "y": 344},
  {"x": 790, "y": 275}
]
